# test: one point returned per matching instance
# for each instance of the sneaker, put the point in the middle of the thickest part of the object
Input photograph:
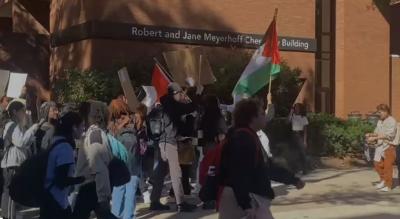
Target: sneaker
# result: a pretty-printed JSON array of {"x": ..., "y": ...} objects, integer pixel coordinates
[
  {"x": 380, "y": 185},
  {"x": 157, "y": 206},
  {"x": 186, "y": 207},
  {"x": 384, "y": 189}
]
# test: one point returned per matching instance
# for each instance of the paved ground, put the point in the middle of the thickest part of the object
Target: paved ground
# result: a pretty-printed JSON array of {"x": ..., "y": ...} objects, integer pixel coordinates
[{"x": 329, "y": 194}]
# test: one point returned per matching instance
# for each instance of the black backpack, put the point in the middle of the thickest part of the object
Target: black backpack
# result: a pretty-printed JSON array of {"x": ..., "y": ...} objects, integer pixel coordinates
[
  {"x": 27, "y": 185},
  {"x": 155, "y": 123}
]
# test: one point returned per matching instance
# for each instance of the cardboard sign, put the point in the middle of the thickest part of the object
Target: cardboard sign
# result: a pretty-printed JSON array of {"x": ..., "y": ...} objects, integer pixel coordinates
[
  {"x": 4, "y": 77},
  {"x": 15, "y": 84},
  {"x": 151, "y": 96},
  {"x": 128, "y": 89},
  {"x": 189, "y": 67}
]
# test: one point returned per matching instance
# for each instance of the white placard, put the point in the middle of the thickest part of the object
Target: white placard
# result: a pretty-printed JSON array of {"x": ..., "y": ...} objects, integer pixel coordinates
[
  {"x": 151, "y": 96},
  {"x": 15, "y": 84}
]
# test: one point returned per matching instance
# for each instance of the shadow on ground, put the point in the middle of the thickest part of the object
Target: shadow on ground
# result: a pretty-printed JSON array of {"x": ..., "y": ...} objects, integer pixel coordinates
[
  {"x": 337, "y": 195},
  {"x": 376, "y": 216}
]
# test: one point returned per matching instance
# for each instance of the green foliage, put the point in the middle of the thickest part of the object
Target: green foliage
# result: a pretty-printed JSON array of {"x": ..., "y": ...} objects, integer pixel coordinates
[
  {"x": 331, "y": 136},
  {"x": 285, "y": 89},
  {"x": 77, "y": 86},
  {"x": 228, "y": 73}
]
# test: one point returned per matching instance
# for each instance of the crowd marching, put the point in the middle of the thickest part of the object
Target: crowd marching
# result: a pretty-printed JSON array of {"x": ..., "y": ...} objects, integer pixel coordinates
[
  {"x": 80, "y": 159},
  {"x": 74, "y": 160}
]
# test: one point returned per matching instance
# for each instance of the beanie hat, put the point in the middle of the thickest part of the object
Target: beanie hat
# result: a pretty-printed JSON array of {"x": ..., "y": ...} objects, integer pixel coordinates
[{"x": 174, "y": 88}]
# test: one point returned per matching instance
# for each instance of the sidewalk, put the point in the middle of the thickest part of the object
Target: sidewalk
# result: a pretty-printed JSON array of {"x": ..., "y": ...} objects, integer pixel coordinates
[{"x": 329, "y": 194}]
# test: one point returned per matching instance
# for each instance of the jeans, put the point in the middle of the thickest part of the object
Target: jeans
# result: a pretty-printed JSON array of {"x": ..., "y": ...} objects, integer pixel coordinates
[
  {"x": 299, "y": 141},
  {"x": 124, "y": 199},
  {"x": 169, "y": 153},
  {"x": 8, "y": 206},
  {"x": 157, "y": 180}
]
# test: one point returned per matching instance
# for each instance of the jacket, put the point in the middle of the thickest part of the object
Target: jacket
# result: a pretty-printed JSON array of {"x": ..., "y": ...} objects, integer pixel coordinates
[
  {"x": 46, "y": 140},
  {"x": 176, "y": 119},
  {"x": 21, "y": 140},
  {"x": 93, "y": 160},
  {"x": 246, "y": 168}
]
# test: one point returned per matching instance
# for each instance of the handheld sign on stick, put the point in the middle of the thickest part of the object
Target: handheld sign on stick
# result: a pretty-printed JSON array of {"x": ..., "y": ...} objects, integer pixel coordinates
[
  {"x": 16, "y": 84},
  {"x": 128, "y": 89},
  {"x": 4, "y": 76}
]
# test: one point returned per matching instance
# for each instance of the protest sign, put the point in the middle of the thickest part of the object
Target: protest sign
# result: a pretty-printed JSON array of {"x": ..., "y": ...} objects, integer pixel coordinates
[
  {"x": 128, "y": 89},
  {"x": 15, "y": 84},
  {"x": 189, "y": 67}
]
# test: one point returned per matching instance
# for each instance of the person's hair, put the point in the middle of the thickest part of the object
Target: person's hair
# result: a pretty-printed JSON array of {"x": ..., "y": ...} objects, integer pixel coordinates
[
  {"x": 302, "y": 108},
  {"x": 141, "y": 109},
  {"x": 65, "y": 125},
  {"x": 383, "y": 107},
  {"x": 3, "y": 98},
  {"x": 14, "y": 107},
  {"x": 117, "y": 108},
  {"x": 245, "y": 111}
]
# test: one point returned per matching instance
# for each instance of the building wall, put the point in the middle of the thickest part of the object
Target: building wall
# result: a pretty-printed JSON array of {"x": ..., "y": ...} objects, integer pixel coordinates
[
  {"x": 295, "y": 18},
  {"x": 24, "y": 53},
  {"x": 395, "y": 67},
  {"x": 362, "y": 68}
]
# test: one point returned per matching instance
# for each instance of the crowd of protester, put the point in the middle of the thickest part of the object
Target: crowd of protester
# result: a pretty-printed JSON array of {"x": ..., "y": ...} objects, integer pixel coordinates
[{"x": 102, "y": 158}]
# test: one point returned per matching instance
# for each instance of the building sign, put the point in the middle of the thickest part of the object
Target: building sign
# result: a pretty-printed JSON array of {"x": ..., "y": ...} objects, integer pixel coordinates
[
  {"x": 124, "y": 31},
  {"x": 217, "y": 38}
]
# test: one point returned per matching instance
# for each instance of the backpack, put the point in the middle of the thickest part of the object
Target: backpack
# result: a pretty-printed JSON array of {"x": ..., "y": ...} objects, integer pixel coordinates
[
  {"x": 155, "y": 123},
  {"x": 37, "y": 147},
  {"x": 118, "y": 169},
  {"x": 117, "y": 148},
  {"x": 209, "y": 171},
  {"x": 27, "y": 186}
]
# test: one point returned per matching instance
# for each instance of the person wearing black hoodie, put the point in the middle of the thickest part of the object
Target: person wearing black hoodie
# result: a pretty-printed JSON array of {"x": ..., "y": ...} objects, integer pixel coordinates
[
  {"x": 176, "y": 105},
  {"x": 246, "y": 171}
]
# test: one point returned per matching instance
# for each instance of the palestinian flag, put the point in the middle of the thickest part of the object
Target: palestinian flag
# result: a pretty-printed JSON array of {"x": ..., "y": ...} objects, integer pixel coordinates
[
  {"x": 264, "y": 62},
  {"x": 160, "y": 81}
]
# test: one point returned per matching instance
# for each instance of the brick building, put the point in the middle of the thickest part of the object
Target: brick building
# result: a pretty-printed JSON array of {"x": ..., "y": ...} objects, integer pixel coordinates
[{"x": 346, "y": 49}]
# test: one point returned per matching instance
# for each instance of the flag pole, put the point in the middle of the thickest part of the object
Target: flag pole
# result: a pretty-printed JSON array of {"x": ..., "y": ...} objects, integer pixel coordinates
[
  {"x": 270, "y": 75},
  {"x": 200, "y": 64},
  {"x": 163, "y": 69}
]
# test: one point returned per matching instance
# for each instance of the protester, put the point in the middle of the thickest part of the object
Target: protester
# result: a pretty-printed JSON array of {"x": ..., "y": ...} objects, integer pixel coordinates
[
  {"x": 133, "y": 136},
  {"x": 247, "y": 187},
  {"x": 61, "y": 168},
  {"x": 175, "y": 106},
  {"x": 385, "y": 153},
  {"x": 48, "y": 116},
  {"x": 213, "y": 124},
  {"x": 17, "y": 141},
  {"x": 93, "y": 160},
  {"x": 269, "y": 114},
  {"x": 299, "y": 122}
]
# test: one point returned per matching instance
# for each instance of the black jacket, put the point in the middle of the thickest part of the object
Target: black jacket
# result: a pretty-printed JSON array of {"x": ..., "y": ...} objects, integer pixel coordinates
[
  {"x": 175, "y": 111},
  {"x": 244, "y": 168}
]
